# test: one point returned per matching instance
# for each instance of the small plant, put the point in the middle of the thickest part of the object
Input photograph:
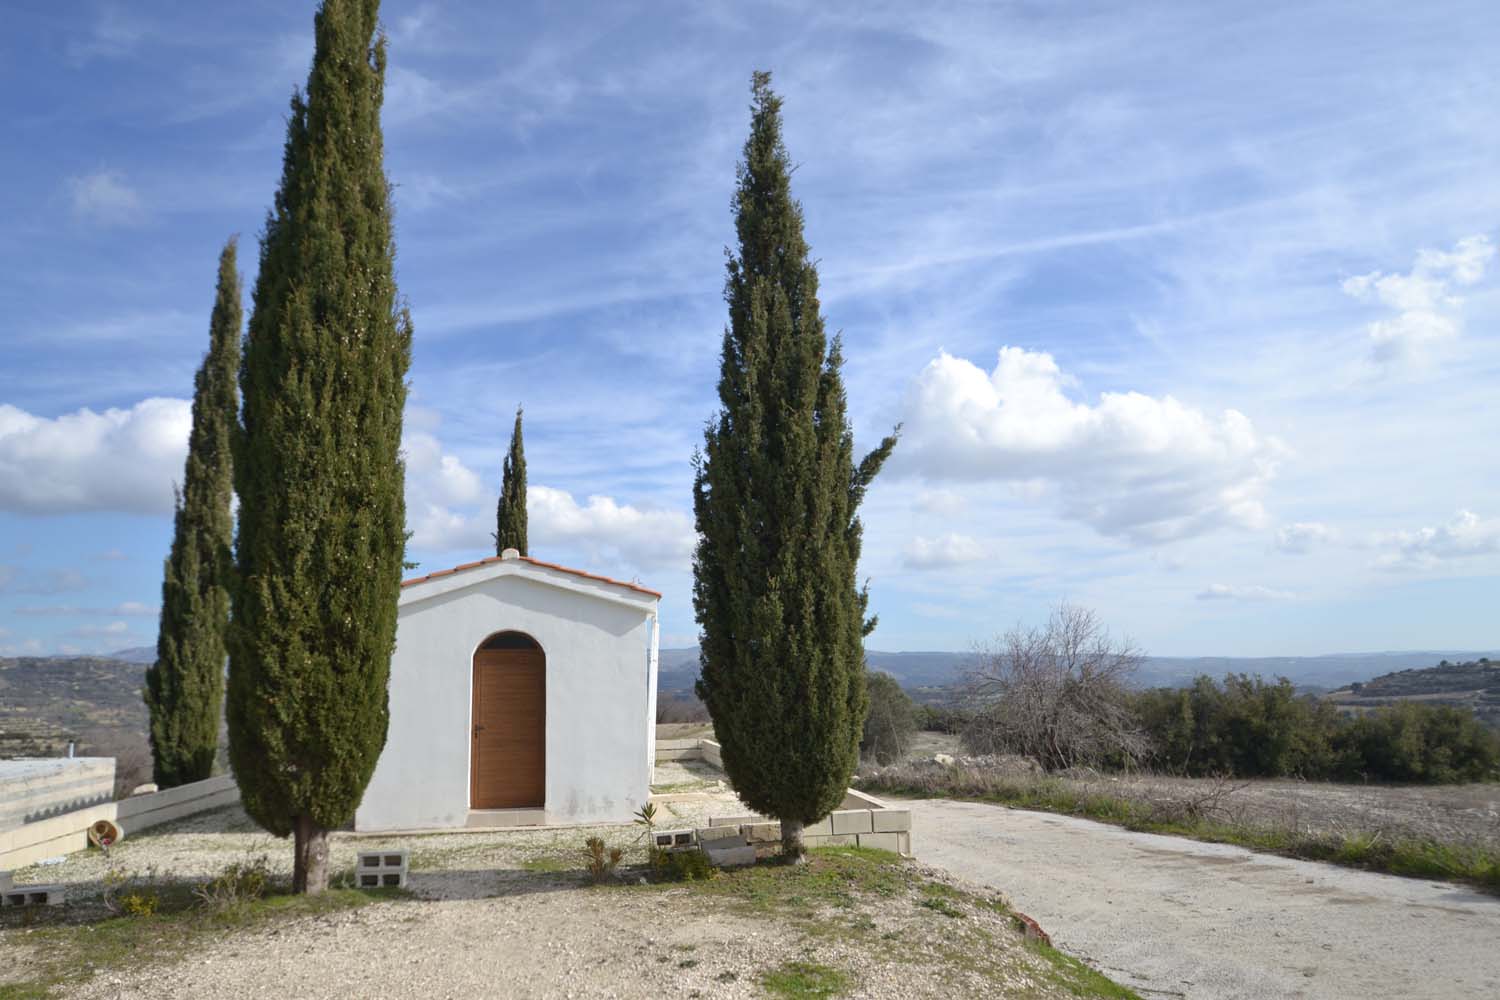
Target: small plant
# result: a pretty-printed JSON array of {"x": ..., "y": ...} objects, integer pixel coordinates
[
  {"x": 239, "y": 882},
  {"x": 131, "y": 895},
  {"x": 645, "y": 816},
  {"x": 805, "y": 979},
  {"x": 688, "y": 866},
  {"x": 602, "y": 860}
]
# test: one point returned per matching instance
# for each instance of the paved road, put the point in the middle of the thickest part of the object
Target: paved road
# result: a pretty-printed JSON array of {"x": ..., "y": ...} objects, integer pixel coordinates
[{"x": 1172, "y": 917}]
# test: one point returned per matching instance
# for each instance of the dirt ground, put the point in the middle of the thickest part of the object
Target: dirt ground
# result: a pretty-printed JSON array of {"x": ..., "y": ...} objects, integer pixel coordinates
[
  {"x": 1172, "y": 917},
  {"x": 509, "y": 912}
]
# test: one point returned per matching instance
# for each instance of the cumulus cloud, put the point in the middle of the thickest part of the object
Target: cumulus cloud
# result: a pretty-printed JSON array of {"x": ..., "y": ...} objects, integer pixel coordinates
[
  {"x": 1464, "y": 536},
  {"x": 1251, "y": 592},
  {"x": 1146, "y": 468},
  {"x": 104, "y": 197},
  {"x": 646, "y": 538},
  {"x": 1427, "y": 312},
  {"x": 441, "y": 493},
  {"x": 942, "y": 552},
  {"x": 119, "y": 460},
  {"x": 1303, "y": 536}
]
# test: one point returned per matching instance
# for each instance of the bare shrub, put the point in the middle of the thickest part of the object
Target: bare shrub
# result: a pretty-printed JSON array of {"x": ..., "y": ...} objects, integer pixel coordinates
[
  {"x": 240, "y": 882},
  {"x": 672, "y": 708},
  {"x": 602, "y": 861},
  {"x": 1056, "y": 694}
]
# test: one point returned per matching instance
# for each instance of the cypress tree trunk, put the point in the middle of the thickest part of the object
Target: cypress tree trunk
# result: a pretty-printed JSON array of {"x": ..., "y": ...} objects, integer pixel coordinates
[
  {"x": 775, "y": 497},
  {"x": 185, "y": 687},
  {"x": 510, "y": 512},
  {"x": 318, "y": 471}
]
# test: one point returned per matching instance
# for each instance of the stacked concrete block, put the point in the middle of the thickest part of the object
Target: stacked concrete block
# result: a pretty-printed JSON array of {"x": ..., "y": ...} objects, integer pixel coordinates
[
  {"x": 32, "y": 895},
  {"x": 717, "y": 831},
  {"x": 763, "y": 838},
  {"x": 381, "y": 869},
  {"x": 6, "y": 882},
  {"x": 674, "y": 840}
]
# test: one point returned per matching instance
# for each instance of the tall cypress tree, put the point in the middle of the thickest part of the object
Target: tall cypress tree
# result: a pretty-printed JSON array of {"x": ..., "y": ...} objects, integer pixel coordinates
[
  {"x": 510, "y": 512},
  {"x": 775, "y": 497},
  {"x": 318, "y": 471},
  {"x": 185, "y": 687}
]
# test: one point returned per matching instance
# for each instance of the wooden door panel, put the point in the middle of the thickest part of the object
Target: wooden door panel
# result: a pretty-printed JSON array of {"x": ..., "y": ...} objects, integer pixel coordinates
[{"x": 509, "y": 767}]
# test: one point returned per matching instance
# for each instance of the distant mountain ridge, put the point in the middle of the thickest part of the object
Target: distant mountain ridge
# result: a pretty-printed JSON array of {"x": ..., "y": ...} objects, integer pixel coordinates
[{"x": 679, "y": 667}]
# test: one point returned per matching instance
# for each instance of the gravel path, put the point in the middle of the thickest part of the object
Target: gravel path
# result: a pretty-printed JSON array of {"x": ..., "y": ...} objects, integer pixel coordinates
[{"x": 1175, "y": 917}]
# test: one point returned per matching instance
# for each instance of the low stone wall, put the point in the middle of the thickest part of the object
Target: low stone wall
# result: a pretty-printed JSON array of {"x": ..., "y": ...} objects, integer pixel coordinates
[
  {"x": 60, "y": 835},
  {"x": 689, "y": 750},
  {"x": 35, "y": 790},
  {"x": 862, "y": 821}
]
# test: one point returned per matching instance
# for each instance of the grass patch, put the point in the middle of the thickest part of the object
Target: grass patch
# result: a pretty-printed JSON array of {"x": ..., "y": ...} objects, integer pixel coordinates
[
  {"x": 1078, "y": 979},
  {"x": 70, "y": 953},
  {"x": 550, "y": 864},
  {"x": 799, "y": 980},
  {"x": 1411, "y": 856}
]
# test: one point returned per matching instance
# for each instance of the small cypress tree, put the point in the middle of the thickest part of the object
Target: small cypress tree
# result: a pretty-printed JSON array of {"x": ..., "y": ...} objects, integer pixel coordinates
[
  {"x": 775, "y": 497},
  {"x": 185, "y": 687},
  {"x": 510, "y": 512},
  {"x": 318, "y": 470}
]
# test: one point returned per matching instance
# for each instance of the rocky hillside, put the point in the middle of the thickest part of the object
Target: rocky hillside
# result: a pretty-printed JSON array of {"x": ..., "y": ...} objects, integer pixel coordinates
[{"x": 1474, "y": 684}]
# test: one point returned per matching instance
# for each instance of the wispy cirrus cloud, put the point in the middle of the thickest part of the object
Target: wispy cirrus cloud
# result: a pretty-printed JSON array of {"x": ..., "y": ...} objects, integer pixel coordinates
[
  {"x": 105, "y": 198},
  {"x": 1243, "y": 592}
]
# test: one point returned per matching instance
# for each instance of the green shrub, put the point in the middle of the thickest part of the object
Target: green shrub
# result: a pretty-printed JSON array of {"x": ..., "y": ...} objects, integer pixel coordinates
[{"x": 602, "y": 861}]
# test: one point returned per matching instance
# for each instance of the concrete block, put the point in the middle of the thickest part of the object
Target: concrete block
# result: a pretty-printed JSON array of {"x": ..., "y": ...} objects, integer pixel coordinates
[
  {"x": 851, "y": 821},
  {"x": 6, "y": 882},
  {"x": 757, "y": 832},
  {"x": 729, "y": 856},
  {"x": 822, "y": 828},
  {"x": 389, "y": 860},
  {"x": 33, "y": 895},
  {"x": 709, "y": 834},
  {"x": 903, "y": 844},
  {"x": 670, "y": 839},
  {"x": 734, "y": 820},
  {"x": 860, "y": 800},
  {"x": 816, "y": 840},
  {"x": 881, "y": 841},
  {"x": 841, "y": 840},
  {"x": 891, "y": 820},
  {"x": 390, "y": 878}
]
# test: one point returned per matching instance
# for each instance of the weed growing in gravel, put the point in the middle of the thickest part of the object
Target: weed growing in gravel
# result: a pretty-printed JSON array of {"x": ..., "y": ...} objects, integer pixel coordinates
[
  {"x": 601, "y": 860},
  {"x": 798, "y": 980}
]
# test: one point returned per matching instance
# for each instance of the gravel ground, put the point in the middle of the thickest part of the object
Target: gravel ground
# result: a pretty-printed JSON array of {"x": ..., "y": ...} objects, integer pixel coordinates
[
  {"x": 491, "y": 915},
  {"x": 1177, "y": 918}
]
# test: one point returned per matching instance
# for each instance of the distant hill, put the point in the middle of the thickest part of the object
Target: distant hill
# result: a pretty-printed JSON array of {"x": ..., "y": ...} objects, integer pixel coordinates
[
  {"x": 1472, "y": 684},
  {"x": 136, "y": 654},
  {"x": 45, "y": 702},
  {"x": 679, "y": 667}
]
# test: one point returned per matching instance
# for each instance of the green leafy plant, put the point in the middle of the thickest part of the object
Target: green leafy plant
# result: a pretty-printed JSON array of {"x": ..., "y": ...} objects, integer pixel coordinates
[
  {"x": 645, "y": 817},
  {"x": 131, "y": 895},
  {"x": 602, "y": 860},
  {"x": 689, "y": 866}
]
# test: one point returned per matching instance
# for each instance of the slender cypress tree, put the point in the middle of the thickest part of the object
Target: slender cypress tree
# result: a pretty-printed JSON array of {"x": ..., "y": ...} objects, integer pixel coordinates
[
  {"x": 775, "y": 497},
  {"x": 318, "y": 470},
  {"x": 510, "y": 512},
  {"x": 185, "y": 687}
]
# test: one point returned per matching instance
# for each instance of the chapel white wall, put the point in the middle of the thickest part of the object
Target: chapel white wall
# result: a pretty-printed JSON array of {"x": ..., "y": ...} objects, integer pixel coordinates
[{"x": 598, "y": 689}]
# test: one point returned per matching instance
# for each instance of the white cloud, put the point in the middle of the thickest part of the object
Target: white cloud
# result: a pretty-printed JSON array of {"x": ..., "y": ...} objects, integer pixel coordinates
[
  {"x": 647, "y": 538},
  {"x": 1464, "y": 536},
  {"x": 1145, "y": 468},
  {"x": 105, "y": 198},
  {"x": 1251, "y": 592},
  {"x": 942, "y": 502},
  {"x": 118, "y": 460},
  {"x": 1303, "y": 536},
  {"x": 1427, "y": 312},
  {"x": 111, "y": 630},
  {"x": 441, "y": 493},
  {"x": 942, "y": 552}
]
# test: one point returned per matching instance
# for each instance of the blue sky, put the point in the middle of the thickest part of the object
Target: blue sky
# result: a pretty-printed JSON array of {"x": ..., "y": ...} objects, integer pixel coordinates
[{"x": 1191, "y": 311}]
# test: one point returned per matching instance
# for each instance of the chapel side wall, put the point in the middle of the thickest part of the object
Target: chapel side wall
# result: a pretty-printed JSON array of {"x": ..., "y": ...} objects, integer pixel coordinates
[{"x": 597, "y": 766}]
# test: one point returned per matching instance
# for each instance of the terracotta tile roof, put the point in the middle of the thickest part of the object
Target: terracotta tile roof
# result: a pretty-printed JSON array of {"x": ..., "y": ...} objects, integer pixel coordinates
[{"x": 535, "y": 562}]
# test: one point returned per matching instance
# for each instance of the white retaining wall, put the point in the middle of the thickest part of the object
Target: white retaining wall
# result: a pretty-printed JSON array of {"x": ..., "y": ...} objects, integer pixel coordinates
[
  {"x": 49, "y": 838},
  {"x": 34, "y": 790}
]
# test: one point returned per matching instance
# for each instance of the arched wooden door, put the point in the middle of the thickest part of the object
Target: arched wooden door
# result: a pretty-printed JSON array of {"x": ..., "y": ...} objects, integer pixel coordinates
[{"x": 508, "y": 759}]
